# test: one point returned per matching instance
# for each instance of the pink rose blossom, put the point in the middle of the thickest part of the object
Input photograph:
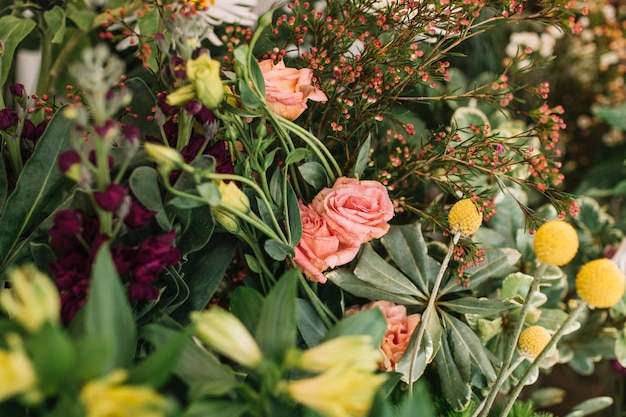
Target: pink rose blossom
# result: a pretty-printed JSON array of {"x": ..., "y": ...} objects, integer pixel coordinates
[
  {"x": 288, "y": 89},
  {"x": 355, "y": 211},
  {"x": 319, "y": 249},
  {"x": 399, "y": 330}
]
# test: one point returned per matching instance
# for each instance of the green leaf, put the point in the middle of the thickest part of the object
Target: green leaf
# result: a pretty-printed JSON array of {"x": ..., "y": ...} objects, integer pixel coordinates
[
  {"x": 592, "y": 218},
  {"x": 195, "y": 366},
  {"x": 204, "y": 271},
  {"x": 453, "y": 387},
  {"x": 107, "y": 313},
  {"x": 277, "y": 327},
  {"x": 83, "y": 17},
  {"x": 347, "y": 281},
  {"x": 297, "y": 155},
  {"x": 4, "y": 184},
  {"x": 142, "y": 102},
  {"x": 220, "y": 408},
  {"x": 144, "y": 184},
  {"x": 257, "y": 75},
  {"x": 466, "y": 340},
  {"x": 497, "y": 262},
  {"x": 311, "y": 326},
  {"x": 408, "y": 250},
  {"x": 55, "y": 19},
  {"x": 156, "y": 369},
  {"x": 480, "y": 306},
  {"x": 13, "y": 30},
  {"x": 613, "y": 115},
  {"x": 248, "y": 97},
  {"x": 362, "y": 157},
  {"x": 54, "y": 356},
  {"x": 419, "y": 404},
  {"x": 295, "y": 220},
  {"x": 276, "y": 190},
  {"x": 246, "y": 304},
  {"x": 38, "y": 185},
  {"x": 277, "y": 250},
  {"x": 210, "y": 193},
  {"x": 590, "y": 406},
  {"x": 620, "y": 347},
  {"x": 150, "y": 22},
  {"x": 314, "y": 174},
  {"x": 373, "y": 269},
  {"x": 368, "y": 322},
  {"x": 463, "y": 118}
]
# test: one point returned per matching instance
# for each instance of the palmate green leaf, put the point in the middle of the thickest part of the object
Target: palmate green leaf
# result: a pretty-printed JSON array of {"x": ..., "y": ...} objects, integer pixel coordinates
[
  {"x": 429, "y": 347},
  {"x": 454, "y": 388},
  {"x": 374, "y": 270},
  {"x": 408, "y": 250},
  {"x": 13, "y": 30},
  {"x": 277, "y": 327},
  {"x": 108, "y": 316},
  {"x": 464, "y": 339},
  {"x": 497, "y": 262},
  {"x": 347, "y": 281},
  {"x": 38, "y": 185},
  {"x": 480, "y": 306}
]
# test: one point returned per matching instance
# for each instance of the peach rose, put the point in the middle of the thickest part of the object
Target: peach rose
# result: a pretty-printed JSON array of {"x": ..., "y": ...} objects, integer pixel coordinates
[
  {"x": 319, "y": 249},
  {"x": 288, "y": 89},
  {"x": 399, "y": 330},
  {"x": 356, "y": 211}
]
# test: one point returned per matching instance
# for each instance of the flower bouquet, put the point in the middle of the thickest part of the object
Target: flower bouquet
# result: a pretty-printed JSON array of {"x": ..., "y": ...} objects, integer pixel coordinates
[{"x": 317, "y": 210}]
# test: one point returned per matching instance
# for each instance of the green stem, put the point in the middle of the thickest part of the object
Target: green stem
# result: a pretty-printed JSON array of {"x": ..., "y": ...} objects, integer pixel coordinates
[
  {"x": 510, "y": 349},
  {"x": 184, "y": 129},
  {"x": 553, "y": 342},
  {"x": 43, "y": 79},
  {"x": 258, "y": 254},
  {"x": 429, "y": 310}
]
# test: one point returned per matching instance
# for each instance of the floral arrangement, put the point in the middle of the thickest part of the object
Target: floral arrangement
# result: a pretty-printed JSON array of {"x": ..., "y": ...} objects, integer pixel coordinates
[{"x": 322, "y": 209}]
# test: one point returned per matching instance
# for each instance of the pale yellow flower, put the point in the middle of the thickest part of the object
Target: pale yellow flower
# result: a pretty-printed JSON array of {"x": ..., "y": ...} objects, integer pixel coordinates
[
  {"x": 343, "y": 391},
  {"x": 109, "y": 398},
  {"x": 555, "y": 243},
  {"x": 165, "y": 157},
  {"x": 233, "y": 197},
  {"x": 353, "y": 348},
  {"x": 206, "y": 85},
  {"x": 533, "y": 340},
  {"x": 464, "y": 217},
  {"x": 32, "y": 300},
  {"x": 600, "y": 283},
  {"x": 17, "y": 374},
  {"x": 223, "y": 332}
]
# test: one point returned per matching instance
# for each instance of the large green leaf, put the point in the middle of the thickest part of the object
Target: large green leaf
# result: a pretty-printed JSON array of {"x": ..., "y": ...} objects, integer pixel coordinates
[
  {"x": 465, "y": 340},
  {"x": 408, "y": 250},
  {"x": 12, "y": 31},
  {"x": 374, "y": 270},
  {"x": 480, "y": 306},
  {"x": 277, "y": 327},
  {"x": 370, "y": 322},
  {"x": 38, "y": 184},
  {"x": 311, "y": 326},
  {"x": 4, "y": 184},
  {"x": 456, "y": 391},
  {"x": 347, "y": 281},
  {"x": 246, "y": 304},
  {"x": 108, "y": 316}
]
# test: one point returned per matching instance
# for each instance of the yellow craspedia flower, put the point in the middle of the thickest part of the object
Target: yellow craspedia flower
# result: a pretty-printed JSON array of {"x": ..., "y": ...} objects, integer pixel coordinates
[
  {"x": 533, "y": 340},
  {"x": 556, "y": 243},
  {"x": 600, "y": 283},
  {"x": 464, "y": 217},
  {"x": 109, "y": 398}
]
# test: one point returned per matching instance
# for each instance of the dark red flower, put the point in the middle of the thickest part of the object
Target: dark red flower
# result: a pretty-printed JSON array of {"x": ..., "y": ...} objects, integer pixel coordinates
[
  {"x": 72, "y": 279},
  {"x": 138, "y": 215},
  {"x": 131, "y": 133},
  {"x": 112, "y": 198},
  {"x": 17, "y": 90},
  {"x": 67, "y": 159},
  {"x": 32, "y": 132},
  {"x": 8, "y": 118}
]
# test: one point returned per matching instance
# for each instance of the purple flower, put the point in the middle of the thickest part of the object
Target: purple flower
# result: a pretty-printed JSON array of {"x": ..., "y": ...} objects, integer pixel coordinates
[
  {"x": 67, "y": 160},
  {"x": 177, "y": 67},
  {"x": 112, "y": 198},
  {"x": 131, "y": 133},
  {"x": 109, "y": 128},
  {"x": 32, "y": 132},
  {"x": 72, "y": 279},
  {"x": 8, "y": 118},
  {"x": 68, "y": 226},
  {"x": 17, "y": 90},
  {"x": 164, "y": 107},
  {"x": 138, "y": 215},
  {"x": 205, "y": 115},
  {"x": 193, "y": 107}
]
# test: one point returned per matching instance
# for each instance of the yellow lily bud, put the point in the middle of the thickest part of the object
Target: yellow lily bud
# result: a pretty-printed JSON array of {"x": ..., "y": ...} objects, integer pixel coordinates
[
  {"x": 224, "y": 333},
  {"x": 108, "y": 398},
  {"x": 17, "y": 374},
  {"x": 204, "y": 74},
  {"x": 343, "y": 391},
  {"x": 227, "y": 220},
  {"x": 165, "y": 157},
  {"x": 32, "y": 300},
  {"x": 354, "y": 348},
  {"x": 181, "y": 95},
  {"x": 233, "y": 197}
]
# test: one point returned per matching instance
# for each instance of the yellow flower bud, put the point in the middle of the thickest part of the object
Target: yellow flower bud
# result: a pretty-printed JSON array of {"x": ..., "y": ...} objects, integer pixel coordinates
[
  {"x": 108, "y": 398},
  {"x": 354, "y": 348},
  {"x": 227, "y": 220},
  {"x": 555, "y": 243},
  {"x": 32, "y": 300},
  {"x": 181, "y": 95},
  {"x": 233, "y": 197},
  {"x": 165, "y": 157},
  {"x": 464, "y": 217},
  {"x": 17, "y": 374},
  {"x": 533, "y": 340},
  {"x": 224, "y": 333},
  {"x": 204, "y": 74},
  {"x": 600, "y": 283},
  {"x": 342, "y": 391}
]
